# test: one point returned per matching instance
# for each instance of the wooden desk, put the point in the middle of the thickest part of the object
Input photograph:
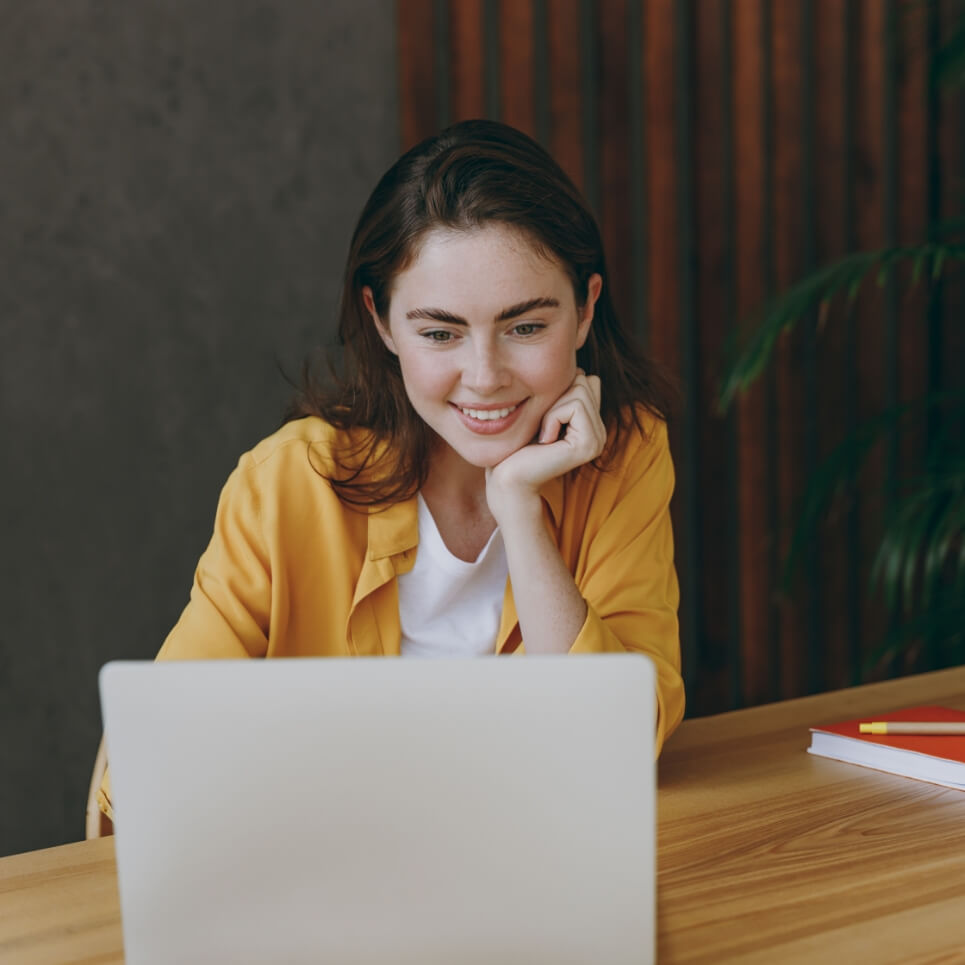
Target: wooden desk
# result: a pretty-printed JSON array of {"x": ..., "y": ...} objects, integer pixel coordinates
[
  {"x": 770, "y": 855},
  {"x": 766, "y": 854}
]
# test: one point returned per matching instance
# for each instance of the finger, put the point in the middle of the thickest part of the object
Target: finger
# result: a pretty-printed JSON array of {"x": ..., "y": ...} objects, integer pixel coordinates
[
  {"x": 584, "y": 389},
  {"x": 553, "y": 423},
  {"x": 584, "y": 428},
  {"x": 564, "y": 413}
]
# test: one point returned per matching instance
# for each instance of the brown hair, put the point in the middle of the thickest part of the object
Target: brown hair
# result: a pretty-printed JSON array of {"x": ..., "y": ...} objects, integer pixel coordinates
[{"x": 472, "y": 174}]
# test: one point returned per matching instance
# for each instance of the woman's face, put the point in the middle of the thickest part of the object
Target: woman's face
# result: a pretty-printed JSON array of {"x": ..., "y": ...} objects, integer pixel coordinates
[{"x": 486, "y": 331}]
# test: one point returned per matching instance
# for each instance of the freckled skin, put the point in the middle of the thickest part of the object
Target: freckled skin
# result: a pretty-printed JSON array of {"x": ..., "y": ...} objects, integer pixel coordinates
[
  {"x": 528, "y": 361},
  {"x": 480, "y": 320}
]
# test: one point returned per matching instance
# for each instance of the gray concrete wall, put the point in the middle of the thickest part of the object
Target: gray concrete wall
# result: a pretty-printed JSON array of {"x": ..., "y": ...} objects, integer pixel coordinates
[{"x": 178, "y": 182}]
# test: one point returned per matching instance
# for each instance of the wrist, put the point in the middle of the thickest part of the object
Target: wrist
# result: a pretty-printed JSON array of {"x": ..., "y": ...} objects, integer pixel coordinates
[{"x": 515, "y": 510}]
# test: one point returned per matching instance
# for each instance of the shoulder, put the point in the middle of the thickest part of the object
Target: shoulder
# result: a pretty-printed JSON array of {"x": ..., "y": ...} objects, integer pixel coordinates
[
  {"x": 294, "y": 441},
  {"x": 302, "y": 452}
]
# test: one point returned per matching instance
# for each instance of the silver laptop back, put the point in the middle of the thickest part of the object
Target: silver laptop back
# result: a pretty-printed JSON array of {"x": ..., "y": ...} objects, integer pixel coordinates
[{"x": 384, "y": 810}]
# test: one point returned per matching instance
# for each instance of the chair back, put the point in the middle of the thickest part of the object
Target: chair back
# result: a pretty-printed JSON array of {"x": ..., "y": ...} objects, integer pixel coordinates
[{"x": 99, "y": 825}]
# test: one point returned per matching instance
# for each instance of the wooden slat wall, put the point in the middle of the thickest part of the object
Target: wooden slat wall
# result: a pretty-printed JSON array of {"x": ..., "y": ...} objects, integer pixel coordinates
[
  {"x": 948, "y": 339},
  {"x": 870, "y": 215},
  {"x": 728, "y": 146},
  {"x": 719, "y": 680},
  {"x": 837, "y": 645},
  {"x": 756, "y": 552},
  {"x": 790, "y": 63}
]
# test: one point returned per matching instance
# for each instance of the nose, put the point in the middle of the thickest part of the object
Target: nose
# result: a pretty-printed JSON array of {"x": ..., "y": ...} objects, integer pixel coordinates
[{"x": 485, "y": 371}]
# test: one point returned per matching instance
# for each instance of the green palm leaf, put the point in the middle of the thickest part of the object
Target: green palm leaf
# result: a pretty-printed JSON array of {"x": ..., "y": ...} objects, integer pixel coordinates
[
  {"x": 848, "y": 274},
  {"x": 839, "y": 471}
]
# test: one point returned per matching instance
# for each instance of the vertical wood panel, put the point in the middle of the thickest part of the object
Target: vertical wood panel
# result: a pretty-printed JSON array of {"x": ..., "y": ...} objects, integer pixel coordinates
[
  {"x": 541, "y": 94},
  {"x": 615, "y": 211},
  {"x": 870, "y": 374},
  {"x": 889, "y": 185},
  {"x": 914, "y": 124},
  {"x": 466, "y": 69},
  {"x": 815, "y": 613},
  {"x": 787, "y": 29},
  {"x": 947, "y": 321},
  {"x": 442, "y": 67},
  {"x": 718, "y": 680},
  {"x": 666, "y": 185},
  {"x": 751, "y": 289},
  {"x": 417, "y": 94},
  {"x": 661, "y": 186},
  {"x": 951, "y": 149},
  {"x": 689, "y": 462},
  {"x": 640, "y": 322},
  {"x": 663, "y": 268},
  {"x": 589, "y": 40},
  {"x": 566, "y": 145},
  {"x": 516, "y": 48},
  {"x": 491, "y": 57},
  {"x": 832, "y": 188}
]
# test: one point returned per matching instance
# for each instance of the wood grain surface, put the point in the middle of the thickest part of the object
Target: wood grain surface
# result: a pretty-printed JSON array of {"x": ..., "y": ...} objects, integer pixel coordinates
[
  {"x": 61, "y": 905},
  {"x": 766, "y": 854}
]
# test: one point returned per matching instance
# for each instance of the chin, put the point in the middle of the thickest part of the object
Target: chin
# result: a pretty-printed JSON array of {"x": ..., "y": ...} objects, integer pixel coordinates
[
  {"x": 485, "y": 460},
  {"x": 485, "y": 452},
  {"x": 485, "y": 457}
]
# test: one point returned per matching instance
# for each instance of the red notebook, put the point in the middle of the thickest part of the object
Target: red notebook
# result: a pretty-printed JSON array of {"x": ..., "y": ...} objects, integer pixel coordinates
[{"x": 936, "y": 759}]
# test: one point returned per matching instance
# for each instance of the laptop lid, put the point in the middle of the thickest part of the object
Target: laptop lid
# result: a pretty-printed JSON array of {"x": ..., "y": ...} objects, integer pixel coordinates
[{"x": 379, "y": 810}]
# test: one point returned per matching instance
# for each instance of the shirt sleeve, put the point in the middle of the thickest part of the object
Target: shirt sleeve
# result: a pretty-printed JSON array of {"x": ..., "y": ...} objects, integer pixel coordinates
[{"x": 626, "y": 572}]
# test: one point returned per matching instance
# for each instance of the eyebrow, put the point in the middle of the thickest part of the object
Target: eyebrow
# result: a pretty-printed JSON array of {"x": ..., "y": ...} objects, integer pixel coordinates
[{"x": 514, "y": 311}]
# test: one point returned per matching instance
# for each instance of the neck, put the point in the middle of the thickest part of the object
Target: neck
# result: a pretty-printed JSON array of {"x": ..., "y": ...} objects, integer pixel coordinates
[
  {"x": 453, "y": 480},
  {"x": 455, "y": 493}
]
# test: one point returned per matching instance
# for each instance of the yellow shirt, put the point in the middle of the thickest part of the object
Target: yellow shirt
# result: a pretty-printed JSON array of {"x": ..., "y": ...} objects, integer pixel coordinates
[{"x": 292, "y": 571}]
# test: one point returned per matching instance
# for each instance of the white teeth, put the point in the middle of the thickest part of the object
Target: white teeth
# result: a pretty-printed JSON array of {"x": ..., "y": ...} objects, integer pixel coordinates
[{"x": 487, "y": 415}]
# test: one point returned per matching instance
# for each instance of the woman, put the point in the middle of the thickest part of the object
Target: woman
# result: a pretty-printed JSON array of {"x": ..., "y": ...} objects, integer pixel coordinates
[{"x": 490, "y": 471}]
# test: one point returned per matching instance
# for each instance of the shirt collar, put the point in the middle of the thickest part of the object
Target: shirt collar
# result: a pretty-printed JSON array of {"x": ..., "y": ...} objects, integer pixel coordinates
[{"x": 393, "y": 530}]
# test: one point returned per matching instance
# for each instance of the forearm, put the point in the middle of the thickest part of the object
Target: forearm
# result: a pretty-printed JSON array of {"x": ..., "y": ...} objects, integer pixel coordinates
[{"x": 549, "y": 606}]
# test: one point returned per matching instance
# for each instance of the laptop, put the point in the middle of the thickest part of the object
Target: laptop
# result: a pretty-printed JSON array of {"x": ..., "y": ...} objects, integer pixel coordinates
[{"x": 363, "y": 810}]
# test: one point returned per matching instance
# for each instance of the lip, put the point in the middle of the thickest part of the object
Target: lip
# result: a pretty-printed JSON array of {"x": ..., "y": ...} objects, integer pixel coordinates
[{"x": 489, "y": 427}]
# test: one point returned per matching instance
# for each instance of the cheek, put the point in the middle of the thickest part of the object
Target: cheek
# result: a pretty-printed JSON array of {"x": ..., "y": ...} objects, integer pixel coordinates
[
  {"x": 425, "y": 376},
  {"x": 556, "y": 370}
]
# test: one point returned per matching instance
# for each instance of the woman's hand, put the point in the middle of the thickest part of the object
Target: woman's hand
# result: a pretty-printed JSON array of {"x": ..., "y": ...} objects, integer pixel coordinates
[
  {"x": 549, "y": 606},
  {"x": 571, "y": 434}
]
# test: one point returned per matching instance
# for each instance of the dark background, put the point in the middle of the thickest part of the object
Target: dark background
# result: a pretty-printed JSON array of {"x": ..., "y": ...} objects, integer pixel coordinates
[{"x": 178, "y": 184}]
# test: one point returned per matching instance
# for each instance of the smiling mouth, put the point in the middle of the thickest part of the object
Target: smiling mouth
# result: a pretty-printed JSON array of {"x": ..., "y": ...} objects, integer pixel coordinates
[{"x": 488, "y": 415}]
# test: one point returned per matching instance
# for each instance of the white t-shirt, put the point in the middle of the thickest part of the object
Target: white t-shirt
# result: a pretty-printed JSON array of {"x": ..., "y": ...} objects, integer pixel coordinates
[{"x": 448, "y": 607}]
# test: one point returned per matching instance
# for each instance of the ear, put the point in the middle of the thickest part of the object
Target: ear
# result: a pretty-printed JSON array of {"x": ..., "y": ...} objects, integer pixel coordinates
[
  {"x": 593, "y": 288},
  {"x": 383, "y": 330}
]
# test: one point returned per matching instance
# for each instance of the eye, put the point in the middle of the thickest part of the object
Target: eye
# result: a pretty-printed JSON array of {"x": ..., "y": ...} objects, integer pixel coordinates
[
  {"x": 527, "y": 328},
  {"x": 437, "y": 335}
]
